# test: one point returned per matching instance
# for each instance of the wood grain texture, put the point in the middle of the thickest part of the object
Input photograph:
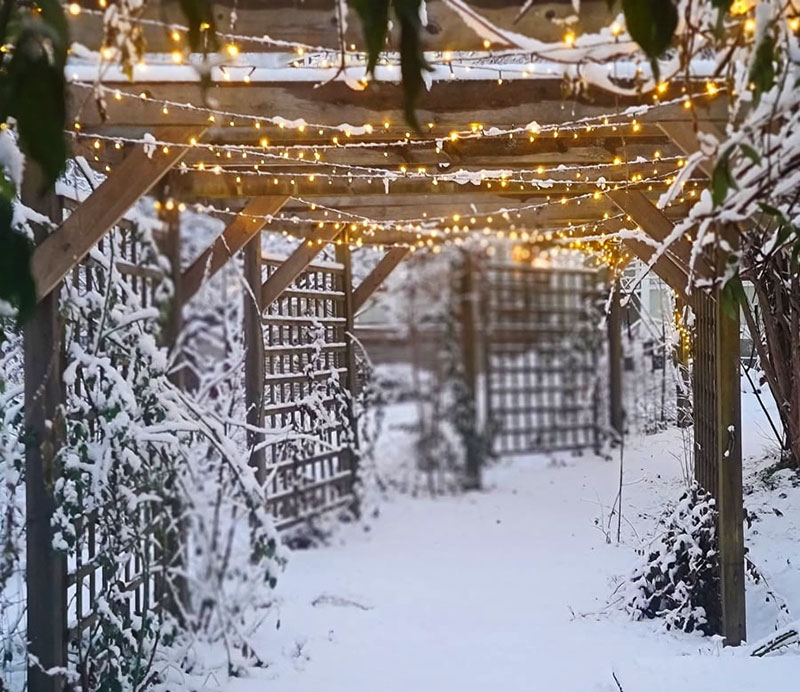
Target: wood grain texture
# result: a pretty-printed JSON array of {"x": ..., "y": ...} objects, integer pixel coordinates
[{"x": 92, "y": 219}]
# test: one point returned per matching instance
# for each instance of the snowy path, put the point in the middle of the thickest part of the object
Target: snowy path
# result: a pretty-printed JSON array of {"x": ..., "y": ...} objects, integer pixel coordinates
[{"x": 502, "y": 590}]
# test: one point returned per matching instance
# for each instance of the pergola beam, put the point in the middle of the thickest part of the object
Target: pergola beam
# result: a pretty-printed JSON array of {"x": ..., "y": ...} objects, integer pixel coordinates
[
  {"x": 207, "y": 185},
  {"x": 447, "y": 105},
  {"x": 387, "y": 264},
  {"x": 294, "y": 265},
  {"x": 247, "y": 224},
  {"x": 94, "y": 217}
]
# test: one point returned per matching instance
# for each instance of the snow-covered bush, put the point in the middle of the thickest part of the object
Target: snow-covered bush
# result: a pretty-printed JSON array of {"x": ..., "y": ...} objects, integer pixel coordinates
[{"x": 679, "y": 579}]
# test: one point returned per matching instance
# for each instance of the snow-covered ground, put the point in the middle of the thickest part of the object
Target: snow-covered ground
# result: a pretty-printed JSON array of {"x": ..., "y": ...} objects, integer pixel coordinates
[{"x": 509, "y": 589}]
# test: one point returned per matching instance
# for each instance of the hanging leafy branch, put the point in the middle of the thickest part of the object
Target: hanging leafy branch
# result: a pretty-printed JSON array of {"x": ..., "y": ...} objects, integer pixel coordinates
[
  {"x": 375, "y": 19},
  {"x": 35, "y": 38},
  {"x": 33, "y": 94}
]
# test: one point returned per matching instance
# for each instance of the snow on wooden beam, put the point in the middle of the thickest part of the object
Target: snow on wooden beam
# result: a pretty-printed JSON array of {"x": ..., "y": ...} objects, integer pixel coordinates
[
  {"x": 448, "y": 105},
  {"x": 655, "y": 223},
  {"x": 387, "y": 264},
  {"x": 206, "y": 184},
  {"x": 245, "y": 226},
  {"x": 91, "y": 220},
  {"x": 294, "y": 265}
]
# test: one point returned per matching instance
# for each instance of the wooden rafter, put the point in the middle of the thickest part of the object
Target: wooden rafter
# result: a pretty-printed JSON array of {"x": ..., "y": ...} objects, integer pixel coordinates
[
  {"x": 71, "y": 241},
  {"x": 448, "y": 105},
  {"x": 387, "y": 264},
  {"x": 238, "y": 233},
  {"x": 294, "y": 265}
]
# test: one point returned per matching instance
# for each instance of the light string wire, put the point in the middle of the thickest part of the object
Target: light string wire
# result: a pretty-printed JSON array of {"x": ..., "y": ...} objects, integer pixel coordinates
[
  {"x": 474, "y": 132},
  {"x": 458, "y": 175},
  {"x": 430, "y": 222}
]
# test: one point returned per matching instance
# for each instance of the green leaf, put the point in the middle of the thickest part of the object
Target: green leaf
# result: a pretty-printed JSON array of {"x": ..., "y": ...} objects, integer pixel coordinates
[
  {"x": 733, "y": 296},
  {"x": 53, "y": 16},
  {"x": 34, "y": 92},
  {"x": 16, "y": 281},
  {"x": 374, "y": 16},
  {"x": 652, "y": 24},
  {"x": 721, "y": 179},
  {"x": 769, "y": 210},
  {"x": 202, "y": 28},
  {"x": 750, "y": 153},
  {"x": 412, "y": 60},
  {"x": 796, "y": 251},
  {"x": 724, "y": 7},
  {"x": 762, "y": 71}
]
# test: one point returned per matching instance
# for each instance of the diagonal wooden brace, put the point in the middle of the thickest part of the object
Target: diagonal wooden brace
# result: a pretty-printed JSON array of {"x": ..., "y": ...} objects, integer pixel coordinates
[
  {"x": 57, "y": 254},
  {"x": 388, "y": 263},
  {"x": 238, "y": 233},
  {"x": 294, "y": 265}
]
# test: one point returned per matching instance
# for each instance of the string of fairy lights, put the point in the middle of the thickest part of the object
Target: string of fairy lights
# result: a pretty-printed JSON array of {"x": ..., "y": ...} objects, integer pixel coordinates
[
  {"x": 254, "y": 159},
  {"x": 348, "y": 54},
  {"x": 333, "y": 55},
  {"x": 284, "y": 141}
]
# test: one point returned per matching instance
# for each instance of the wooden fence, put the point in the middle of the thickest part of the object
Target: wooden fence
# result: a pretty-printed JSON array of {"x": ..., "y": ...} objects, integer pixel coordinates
[{"x": 540, "y": 356}]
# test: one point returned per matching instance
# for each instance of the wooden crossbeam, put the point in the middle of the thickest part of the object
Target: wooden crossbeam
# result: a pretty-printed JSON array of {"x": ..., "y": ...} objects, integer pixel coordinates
[
  {"x": 448, "y": 104},
  {"x": 655, "y": 223},
  {"x": 73, "y": 239},
  {"x": 238, "y": 233},
  {"x": 294, "y": 265},
  {"x": 206, "y": 184},
  {"x": 387, "y": 264}
]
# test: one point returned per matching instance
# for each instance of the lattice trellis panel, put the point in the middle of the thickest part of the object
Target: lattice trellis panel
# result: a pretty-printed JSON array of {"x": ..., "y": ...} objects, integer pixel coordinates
[
  {"x": 541, "y": 333},
  {"x": 86, "y": 579},
  {"x": 305, "y": 394}
]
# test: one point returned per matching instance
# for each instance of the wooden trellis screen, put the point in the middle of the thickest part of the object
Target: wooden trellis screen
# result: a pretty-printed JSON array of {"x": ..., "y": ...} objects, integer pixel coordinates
[
  {"x": 540, "y": 356},
  {"x": 308, "y": 365},
  {"x": 85, "y": 576}
]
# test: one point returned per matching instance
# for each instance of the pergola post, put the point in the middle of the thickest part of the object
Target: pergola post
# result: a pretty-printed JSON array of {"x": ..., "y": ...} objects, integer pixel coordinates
[
  {"x": 730, "y": 503},
  {"x": 681, "y": 358},
  {"x": 616, "y": 411},
  {"x": 44, "y": 398},
  {"x": 469, "y": 358},
  {"x": 717, "y": 406},
  {"x": 344, "y": 257},
  {"x": 176, "y": 597},
  {"x": 254, "y": 366}
]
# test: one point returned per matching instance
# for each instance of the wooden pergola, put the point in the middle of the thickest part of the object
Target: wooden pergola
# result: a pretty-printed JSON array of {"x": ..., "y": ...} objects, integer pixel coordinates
[{"x": 342, "y": 167}]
